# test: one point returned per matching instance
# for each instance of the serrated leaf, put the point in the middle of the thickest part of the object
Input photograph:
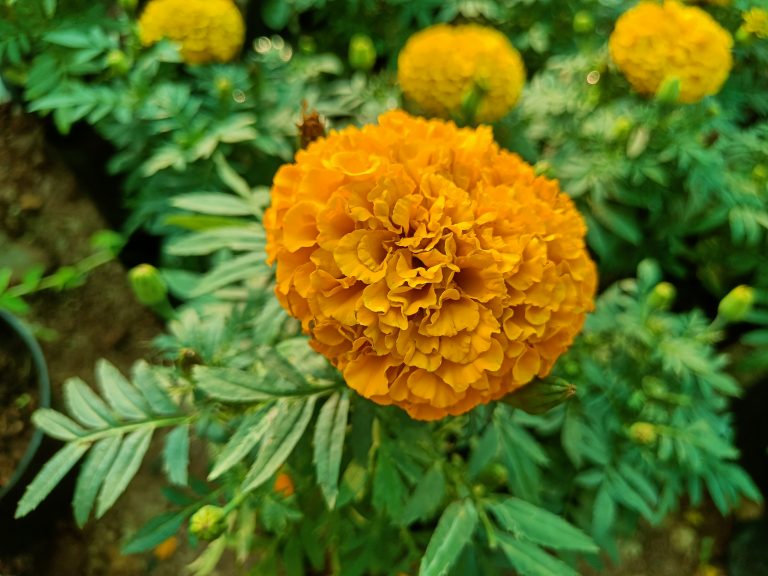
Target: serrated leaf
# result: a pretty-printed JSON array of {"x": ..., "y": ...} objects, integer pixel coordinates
[
  {"x": 92, "y": 475},
  {"x": 388, "y": 487},
  {"x": 454, "y": 531},
  {"x": 156, "y": 531},
  {"x": 244, "y": 267},
  {"x": 603, "y": 513},
  {"x": 232, "y": 179},
  {"x": 330, "y": 431},
  {"x": 290, "y": 422},
  {"x": 250, "y": 431},
  {"x": 530, "y": 560},
  {"x": 57, "y": 425},
  {"x": 538, "y": 525},
  {"x": 427, "y": 497},
  {"x": 50, "y": 475},
  {"x": 176, "y": 455},
  {"x": 239, "y": 238},
  {"x": 123, "y": 469},
  {"x": 233, "y": 385},
  {"x": 213, "y": 203},
  {"x": 146, "y": 381},
  {"x": 124, "y": 398},
  {"x": 83, "y": 403}
]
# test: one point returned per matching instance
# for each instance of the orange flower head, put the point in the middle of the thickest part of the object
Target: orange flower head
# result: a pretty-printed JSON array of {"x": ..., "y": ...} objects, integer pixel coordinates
[
  {"x": 654, "y": 43},
  {"x": 434, "y": 269}
]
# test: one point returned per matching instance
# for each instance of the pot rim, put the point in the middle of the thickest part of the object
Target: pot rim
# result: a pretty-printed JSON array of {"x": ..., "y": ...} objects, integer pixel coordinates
[{"x": 44, "y": 392}]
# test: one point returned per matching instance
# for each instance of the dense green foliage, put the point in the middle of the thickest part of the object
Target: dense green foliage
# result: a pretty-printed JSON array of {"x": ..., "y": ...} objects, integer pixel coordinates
[{"x": 670, "y": 192}]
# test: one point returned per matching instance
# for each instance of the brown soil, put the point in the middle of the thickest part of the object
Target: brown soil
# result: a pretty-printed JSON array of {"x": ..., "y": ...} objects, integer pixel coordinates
[{"x": 18, "y": 399}]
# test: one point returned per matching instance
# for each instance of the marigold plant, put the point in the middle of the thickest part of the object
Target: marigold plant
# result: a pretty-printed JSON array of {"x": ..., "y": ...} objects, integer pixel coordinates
[
  {"x": 434, "y": 269},
  {"x": 207, "y": 30},
  {"x": 442, "y": 68},
  {"x": 653, "y": 43}
]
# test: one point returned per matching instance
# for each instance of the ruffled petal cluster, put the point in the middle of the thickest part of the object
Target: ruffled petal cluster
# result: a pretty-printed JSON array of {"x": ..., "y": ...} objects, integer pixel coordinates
[
  {"x": 435, "y": 270},
  {"x": 655, "y": 42},
  {"x": 207, "y": 30},
  {"x": 441, "y": 66}
]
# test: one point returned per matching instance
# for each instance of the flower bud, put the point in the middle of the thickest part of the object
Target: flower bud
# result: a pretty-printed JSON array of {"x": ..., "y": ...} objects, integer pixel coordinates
[
  {"x": 662, "y": 296},
  {"x": 541, "y": 396},
  {"x": 147, "y": 284},
  {"x": 643, "y": 433},
  {"x": 669, "y": 91},
  {"x": 622, "y": 127},
  {"x": 208, "y": 522},
  {"x": 118, "y": 62},
  {"x": 736, "y": 304},
  {"x": 583, "y": 22},
  {"x": 760, "y": 173},
  {"x": 362, "y": 52}
]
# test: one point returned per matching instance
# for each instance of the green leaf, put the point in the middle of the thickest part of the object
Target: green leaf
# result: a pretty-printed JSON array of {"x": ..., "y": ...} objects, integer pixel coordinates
[
  {"x": 233, "y": 385},
  {"x": 123, "y": 469},
  {"x": 239, "y": 238},
  {"x": 156, "y": 531},
  {"x": 291, "y": 421},
  {"x": 50, "y": 475},
  {"x": 427, "y": 497},
  {"x": 524, "y": 519},
  {"x": 176, "y": 455},
  {"x": 213, "y": 203},
  {"x": 330, "y": 431},
  {"x": 388, "y": 487},
  {"x": 92, "y": 475},
  {"x": 454, "y": 531},
  {"x": 83, "y": 403},
  {"x": 5, "y": 278},
  {"x": 232, "y": 179},
  {"x": 124, "y": 398},
  {"x": 603, "y": 513},
  {"x": 57, "y": 425},
  {"x": 148, "y": 383},
  {"x": 530, "y": 560},
  {"x": 250, "y": 431},
  {"x": 245, "y": 267}
]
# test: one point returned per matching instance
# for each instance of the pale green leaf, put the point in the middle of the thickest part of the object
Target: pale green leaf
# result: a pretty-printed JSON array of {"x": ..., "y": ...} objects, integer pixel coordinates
[
  {"x": 176, "y": 455},
  {"x": 330, "y": 431},
  {"x": 156, "y": 531},
  {"x": 57, "y": 425},
  {"x": 123, "y": 469},
  {"x": 454, "y": 531},
  {"x": 83, "y": 403},
  {"x": 148, "y": 383},
  {"x": 121, "y": 395},
  {"x": 212, "y": 203},
  {"x": 289, "y": 426},
  {"x": 92, "y": 475},
  {"x": 427, "y": 497},
  {"x": 50, "y": 475},
  {"x": 250, "y": 431},
  {"x": 530, "y": 560}
]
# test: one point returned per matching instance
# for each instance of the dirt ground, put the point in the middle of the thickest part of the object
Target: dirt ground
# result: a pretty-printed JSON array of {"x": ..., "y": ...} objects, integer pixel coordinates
[{"x": 46, "y": 218}]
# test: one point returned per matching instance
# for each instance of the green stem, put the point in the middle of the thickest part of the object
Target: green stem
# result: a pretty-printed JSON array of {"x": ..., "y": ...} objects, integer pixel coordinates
[{"x": 125, "y": 428}]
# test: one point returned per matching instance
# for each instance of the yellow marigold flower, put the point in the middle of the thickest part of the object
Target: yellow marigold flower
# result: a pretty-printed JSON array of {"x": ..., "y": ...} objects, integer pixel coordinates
[
  {"x": 442, "y": 67},
  {"x": 207, "y": 30},
  {"x": 434, "y": 269},
  {"x": 653, "y": 43},
  {"x": 756, "y": 22}
]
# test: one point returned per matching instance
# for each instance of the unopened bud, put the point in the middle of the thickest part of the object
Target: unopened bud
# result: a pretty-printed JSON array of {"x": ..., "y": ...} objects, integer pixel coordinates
[
  {"x": 118, "y": 62},
  {"x": 583, "y": 22},
  {"x": 208, "y": 522},
  {"x": 622, "y": 127},
  {"x": 760, "y": 172},
  {"x": 662, "y": 296},
  {"x": 643, "y": 433},
  {"x": 736, "y": 304},
  {"x": 362, "y": 52},
  {"x": 541, "y": 396},
  {"x": 147, "y": 284}
]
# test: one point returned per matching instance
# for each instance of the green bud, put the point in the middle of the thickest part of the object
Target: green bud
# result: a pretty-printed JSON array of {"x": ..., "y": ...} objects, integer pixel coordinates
[
  {"x": 362, "y": 52},
  {"x": 208, "y": 522},
  {"x": 223, "y": 86},
  {"x": 622, "y": 127},
  {"x": 643, "y": 433},
  {"x": 654, "y": 387},
  {"x": 743, "y": 35},
  {"x": 662, "y": 296},
  {"x": 760, "y": 172},
  {"x": 736, "y": 304},
  {"x": 307, "y": 45},
  {"x": 540, "y": 396},
  {"x": 118, "y": 62},
  {"x": 542, "y": 168},
  {"x": 583, "y": 22},
  {"x": 147, "y": 284},
  {"x": 669, "y": 91}
]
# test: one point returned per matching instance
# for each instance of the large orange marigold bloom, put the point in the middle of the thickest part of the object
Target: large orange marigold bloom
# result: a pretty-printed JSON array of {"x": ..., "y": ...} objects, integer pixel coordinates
[
  {"x": 207, "y": 30},
  {"x": 655, "y": 42},
  {"x": 435, "y": 270},
  {"x": 440, "y": 66}
]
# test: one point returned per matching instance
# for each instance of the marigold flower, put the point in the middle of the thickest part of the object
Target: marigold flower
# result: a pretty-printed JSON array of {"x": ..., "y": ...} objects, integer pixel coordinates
[
  {"x": 207, "y": 30},
  {"x": 653, "y": 43},
  {"x": 434, "y": 269},
  {"x": 756, "y": 22},
  {"x": 443, "y": 66}
]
